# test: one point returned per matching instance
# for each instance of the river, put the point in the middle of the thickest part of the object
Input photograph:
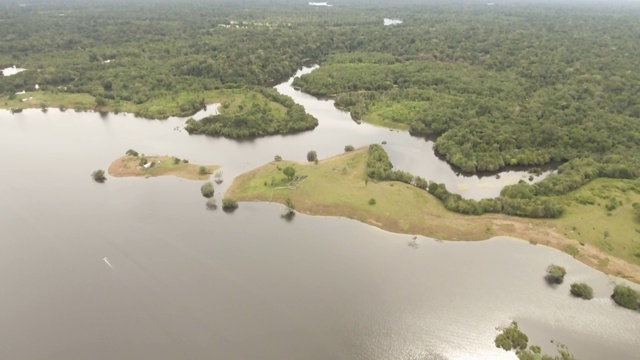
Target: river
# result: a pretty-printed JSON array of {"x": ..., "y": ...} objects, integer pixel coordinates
[{"x": 137, "y": 268}]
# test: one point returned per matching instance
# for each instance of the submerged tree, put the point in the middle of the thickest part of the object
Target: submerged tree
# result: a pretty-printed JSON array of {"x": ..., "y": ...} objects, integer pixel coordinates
[
  {"x": 555, "y": 274},
  {"x": 98, "y": 176},
  {"x": 582, "y": 290},
  {"x": 627, "y": 297},
  {"x": 207, "y": 189},
  {"x": 229, "y": 204}
]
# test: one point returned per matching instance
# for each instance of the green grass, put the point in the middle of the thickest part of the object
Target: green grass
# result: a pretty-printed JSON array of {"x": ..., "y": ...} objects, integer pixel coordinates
[
  {"x": 49, "y": 99},
  {"x": 615, "y": 232},
  {"x": 237, "y": 101},
  {"x": 394, "y": 115}
]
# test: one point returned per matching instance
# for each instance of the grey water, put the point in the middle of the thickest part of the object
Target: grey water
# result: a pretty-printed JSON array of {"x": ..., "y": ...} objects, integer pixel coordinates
[{"x": 182, "y": 282}]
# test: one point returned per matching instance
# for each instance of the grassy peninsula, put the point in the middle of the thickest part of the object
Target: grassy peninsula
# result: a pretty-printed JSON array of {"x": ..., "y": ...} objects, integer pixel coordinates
[
  {"x": 339, "y": 186},
  {"x": 132, "y": 165}
]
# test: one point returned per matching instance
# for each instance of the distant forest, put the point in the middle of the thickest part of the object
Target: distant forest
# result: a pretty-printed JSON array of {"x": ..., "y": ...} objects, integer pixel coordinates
[{"x": 516, "y": 83}]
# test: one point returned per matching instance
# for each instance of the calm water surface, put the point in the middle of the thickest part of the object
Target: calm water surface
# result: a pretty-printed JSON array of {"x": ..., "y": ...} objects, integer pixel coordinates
[{"x": 180, "y": 282}]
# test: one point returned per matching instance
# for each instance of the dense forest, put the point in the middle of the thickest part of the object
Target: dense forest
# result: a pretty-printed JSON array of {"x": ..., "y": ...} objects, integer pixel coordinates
[{"x": 519, "y": 83}]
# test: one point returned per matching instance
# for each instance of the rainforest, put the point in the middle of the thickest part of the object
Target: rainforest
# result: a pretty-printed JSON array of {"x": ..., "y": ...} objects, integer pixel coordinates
[{"x": 497, "y": 86}]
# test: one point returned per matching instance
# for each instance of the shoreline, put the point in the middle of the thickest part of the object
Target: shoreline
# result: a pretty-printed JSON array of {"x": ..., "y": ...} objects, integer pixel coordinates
[{"x": 419, "y": 213}]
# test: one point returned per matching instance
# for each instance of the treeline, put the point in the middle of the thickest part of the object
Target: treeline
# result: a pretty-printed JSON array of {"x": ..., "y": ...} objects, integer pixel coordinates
[
  {"x": 258, "y": 119},
  {"x": 379, "y": 168}
]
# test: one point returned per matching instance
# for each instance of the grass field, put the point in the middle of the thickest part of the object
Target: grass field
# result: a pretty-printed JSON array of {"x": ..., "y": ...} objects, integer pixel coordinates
[
  {"x": 127, "y": 166},
  {"x": 337, "y": 187},
  {"x": 234, "y": 101}
]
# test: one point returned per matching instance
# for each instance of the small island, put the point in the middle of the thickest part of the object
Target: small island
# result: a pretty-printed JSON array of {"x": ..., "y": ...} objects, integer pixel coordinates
[
  {"x": 351, "y": 185},
  {"x": 134, "y": 164}
]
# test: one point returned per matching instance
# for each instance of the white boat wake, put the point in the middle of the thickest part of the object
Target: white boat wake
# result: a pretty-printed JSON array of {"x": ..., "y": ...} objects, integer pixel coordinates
[{"x": 107, "y": 261}]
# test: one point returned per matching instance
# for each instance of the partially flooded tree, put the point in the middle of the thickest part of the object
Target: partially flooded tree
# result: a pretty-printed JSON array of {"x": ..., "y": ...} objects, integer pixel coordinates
[
  {"x": 555, "y": 274},
  {"x": 98, "y": 176},
  {"x": 207, "y": 189}
]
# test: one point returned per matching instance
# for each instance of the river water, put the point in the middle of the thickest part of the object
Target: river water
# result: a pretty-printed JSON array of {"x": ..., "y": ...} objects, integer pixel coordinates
[{"x": 137, "y": 268}]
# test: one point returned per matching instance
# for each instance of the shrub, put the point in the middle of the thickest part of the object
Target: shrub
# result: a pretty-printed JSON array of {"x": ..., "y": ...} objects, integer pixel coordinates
[
  {"x": 277, "y": 158},
  {"x": 555, "y": 274},
  {"x": 582, "y": 290},
  {"x": 202, "y": 170},
  {"x": 211, "y": 204},
  {"x": 372, "y": 201},
  {"x": 176, "y": 161},
  {"x": 625, "y": 296},
  {"x": 229, "y": 204},
  {"x": 207, "y": 189},
  {"x": 312, "y": 156},
  {"x": 143, "y": 161},
  {"x": 98, "y": 176},
  {"x": 349, "y": 148},
  {"x": 132, "y": 152},
  {"x": 185, "y": 161}
]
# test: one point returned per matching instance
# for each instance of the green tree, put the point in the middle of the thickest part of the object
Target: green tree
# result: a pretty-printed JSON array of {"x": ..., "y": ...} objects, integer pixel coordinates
[
  {"x": 312, "y": 156},
  {"x": 627, "y": 297},
  {"x": 132, "y": 152},
  {"x": 582, "y": 290},
  {"x": 229, "y": 204},
  {"x": 511, "y": 338},
  {"x": 372, "y": 201},
  {"x": 555, "y": 274},
  {"x": 202, "y": 170},
  {"x": 289, "y": 172},
  {"x": 207, "y": 189},
  {"x": 98, "y": 176},
  {"x": 349, "y": 148}
]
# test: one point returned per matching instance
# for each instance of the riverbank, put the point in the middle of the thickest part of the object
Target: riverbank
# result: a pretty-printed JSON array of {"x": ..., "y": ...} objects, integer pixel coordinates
[
  {"x": 337, "y": 187},
  {"x": 130, "y": 166}
]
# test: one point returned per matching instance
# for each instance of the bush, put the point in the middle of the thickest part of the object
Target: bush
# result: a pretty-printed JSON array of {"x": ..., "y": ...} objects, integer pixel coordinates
[
  {"x": 349, "y": 148},
  {"x": 372, "y": 201},
  {"x": 132, "y": 152},
  {"x": 312, "y": 156},
  {"x": 143, "y": 161},
  {"x": 555, "y": 274},
  {"x": 185, "y": 161},
  {"x": 176, "y": 161},
  {"x": 582, "y": 290},
  {"x": 98, "y": 176},
  {"x": 202, "y": 170},
  {"x": 277, "y": 158},
  {"x": 229, "y": 204},
  {"x": 211, "y": 204},
  {"x": 207, "y": 189},
  {"x": 625, "y": 296}
]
